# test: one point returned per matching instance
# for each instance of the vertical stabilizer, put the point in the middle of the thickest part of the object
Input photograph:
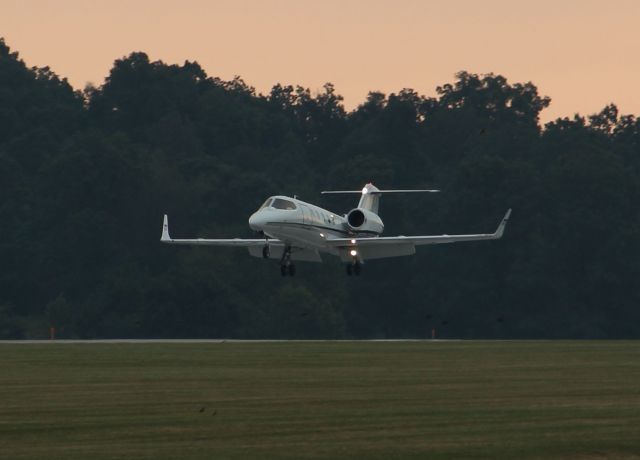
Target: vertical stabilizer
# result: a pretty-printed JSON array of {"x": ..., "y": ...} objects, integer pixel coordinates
[{"x": 370, "y": 199}]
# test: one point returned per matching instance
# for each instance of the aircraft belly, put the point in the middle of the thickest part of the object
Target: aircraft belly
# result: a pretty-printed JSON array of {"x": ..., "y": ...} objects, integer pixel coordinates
[
  {"x": 275, "y": 252},
  {"x": 302, "y": 235},
  {"x": 378, "y": 252}
]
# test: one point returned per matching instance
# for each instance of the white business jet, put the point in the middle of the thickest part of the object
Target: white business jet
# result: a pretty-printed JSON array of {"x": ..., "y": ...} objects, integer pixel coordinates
[{"x": 293, "y": 230}]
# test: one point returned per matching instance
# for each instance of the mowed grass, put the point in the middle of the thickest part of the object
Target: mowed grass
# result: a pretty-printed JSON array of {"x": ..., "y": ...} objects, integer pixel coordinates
[{"x": 306, "y": 400}]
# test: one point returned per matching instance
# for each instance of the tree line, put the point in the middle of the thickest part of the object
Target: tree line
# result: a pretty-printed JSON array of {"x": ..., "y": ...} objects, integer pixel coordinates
[{"x": 85, "y": 177}]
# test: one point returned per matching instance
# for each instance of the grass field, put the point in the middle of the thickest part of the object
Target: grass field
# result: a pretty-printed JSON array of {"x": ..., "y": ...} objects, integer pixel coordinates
[{"x": 382, "y": 400}]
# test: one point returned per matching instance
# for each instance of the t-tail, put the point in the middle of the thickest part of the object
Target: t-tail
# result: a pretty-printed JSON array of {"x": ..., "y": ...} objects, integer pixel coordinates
[{"x": 370, "y": 199}]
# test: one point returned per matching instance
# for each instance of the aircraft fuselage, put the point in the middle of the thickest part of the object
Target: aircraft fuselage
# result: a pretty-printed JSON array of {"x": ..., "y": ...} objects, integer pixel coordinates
[{"x": 296, "y": 222}]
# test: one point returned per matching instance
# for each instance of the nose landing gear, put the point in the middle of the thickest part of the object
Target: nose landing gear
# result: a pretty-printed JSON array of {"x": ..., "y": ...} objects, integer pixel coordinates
[
  {"x": 286, "y": 267},
  {"x": 265, "y": 250},
  {"x": 288, "y": 270}
]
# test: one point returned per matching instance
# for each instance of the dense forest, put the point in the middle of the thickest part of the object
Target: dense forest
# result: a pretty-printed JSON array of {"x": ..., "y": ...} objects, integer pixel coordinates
[{"x": 85, "y": 177}]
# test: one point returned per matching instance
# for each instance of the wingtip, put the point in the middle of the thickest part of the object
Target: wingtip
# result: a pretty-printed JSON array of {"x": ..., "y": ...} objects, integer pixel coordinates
[
  {"x": 165, "y": 229},
  {"x": 503, "y": 224}
]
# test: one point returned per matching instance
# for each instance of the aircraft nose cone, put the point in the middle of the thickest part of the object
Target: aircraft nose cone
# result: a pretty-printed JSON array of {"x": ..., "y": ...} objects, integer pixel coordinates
[{"x": 256, "y": 221}]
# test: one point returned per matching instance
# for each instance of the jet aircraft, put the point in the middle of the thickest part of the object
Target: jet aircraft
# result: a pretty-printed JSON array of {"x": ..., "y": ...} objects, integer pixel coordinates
[{"x": 293, "y": 230}]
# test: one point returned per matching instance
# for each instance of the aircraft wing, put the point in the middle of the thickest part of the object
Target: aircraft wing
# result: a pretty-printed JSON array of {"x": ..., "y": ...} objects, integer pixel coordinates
[
  {"x": 242, "y": 242},
  {"x": 390, "y": 246},
  {"x": 255, "y": 245}
]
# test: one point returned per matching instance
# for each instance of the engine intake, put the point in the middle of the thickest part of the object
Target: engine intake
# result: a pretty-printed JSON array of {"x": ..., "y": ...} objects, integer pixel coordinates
[
  {"x": 356, "y": 218},
  {"x": 364, "y": 221}
]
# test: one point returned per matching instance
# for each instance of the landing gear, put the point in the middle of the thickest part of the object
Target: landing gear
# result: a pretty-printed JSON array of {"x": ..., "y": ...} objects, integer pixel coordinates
[
  {"x": 288, "y": 270},
  {"x": 286, "y": 267},
  {"x": 354, "y": 268},
  {"x": 265, "y": 252}
]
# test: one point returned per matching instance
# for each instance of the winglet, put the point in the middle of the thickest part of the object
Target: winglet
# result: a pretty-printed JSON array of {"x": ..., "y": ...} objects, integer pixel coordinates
[
  {"x": 165, "y": 230},
  {"x": 500, "y": 231}
]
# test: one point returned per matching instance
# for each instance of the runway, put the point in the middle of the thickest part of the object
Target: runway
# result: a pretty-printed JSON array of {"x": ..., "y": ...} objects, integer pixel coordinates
[{"x": 219, "y": 341}]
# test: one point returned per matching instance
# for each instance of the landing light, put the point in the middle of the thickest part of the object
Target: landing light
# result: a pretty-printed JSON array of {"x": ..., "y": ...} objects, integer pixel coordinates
[
  {"x": 353, "y": 241},
  {"x": 354, "y": 252},
  {"x": 364, "y": 191},
  {"x": 321, "y": 235}
]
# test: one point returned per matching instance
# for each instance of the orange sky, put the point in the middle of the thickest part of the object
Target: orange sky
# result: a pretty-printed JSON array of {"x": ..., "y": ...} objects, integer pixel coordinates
[{"x": 582, "y": 53}]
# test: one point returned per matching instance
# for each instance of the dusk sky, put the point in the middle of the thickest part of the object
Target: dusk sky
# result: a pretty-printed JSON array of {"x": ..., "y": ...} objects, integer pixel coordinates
[{"x": 583, "y": 54}]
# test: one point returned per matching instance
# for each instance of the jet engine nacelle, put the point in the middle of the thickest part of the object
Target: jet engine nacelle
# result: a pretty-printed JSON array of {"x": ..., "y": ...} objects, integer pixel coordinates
[{"x": 363, "y": 220}]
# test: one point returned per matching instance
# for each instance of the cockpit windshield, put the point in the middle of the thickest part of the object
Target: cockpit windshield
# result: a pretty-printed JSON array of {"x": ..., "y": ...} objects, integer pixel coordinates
[
  {"x": 266, "y": 204},
  {"x": 279, "y": 203}
]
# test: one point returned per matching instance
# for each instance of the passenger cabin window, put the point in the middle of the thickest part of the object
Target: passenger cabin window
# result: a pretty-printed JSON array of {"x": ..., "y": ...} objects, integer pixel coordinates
[
  {"x": 266, "y": 204},
  {"x": 279, "y": 203}
]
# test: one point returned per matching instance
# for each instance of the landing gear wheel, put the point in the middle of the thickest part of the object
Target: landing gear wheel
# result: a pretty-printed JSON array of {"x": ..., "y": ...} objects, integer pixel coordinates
[
  {"x": 357, "y": 268},
  {"x": 286, "y": 267},
  {"x": 349, "y": 269},
  {"x": 265, "y": 252}
]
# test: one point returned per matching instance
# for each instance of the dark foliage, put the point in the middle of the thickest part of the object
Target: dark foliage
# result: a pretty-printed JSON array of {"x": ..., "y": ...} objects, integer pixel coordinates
[{"x": 85, "y": 178}]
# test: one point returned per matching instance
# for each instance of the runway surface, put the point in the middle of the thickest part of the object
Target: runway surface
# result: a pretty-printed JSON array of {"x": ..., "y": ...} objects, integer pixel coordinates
[{"x": 73, "y": 341}]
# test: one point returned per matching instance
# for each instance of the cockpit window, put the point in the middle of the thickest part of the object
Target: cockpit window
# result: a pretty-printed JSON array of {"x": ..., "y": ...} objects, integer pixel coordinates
[
  {"x": 279, "y": 203},
  {"x": 266, "y": 203}
]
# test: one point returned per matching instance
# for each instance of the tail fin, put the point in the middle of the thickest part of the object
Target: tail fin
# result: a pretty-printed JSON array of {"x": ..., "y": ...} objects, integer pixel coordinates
[{"x": 370, "y": 198}]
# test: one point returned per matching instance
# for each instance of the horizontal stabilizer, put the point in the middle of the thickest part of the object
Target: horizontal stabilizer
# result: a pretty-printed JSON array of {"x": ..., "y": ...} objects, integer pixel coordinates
[
  {"x": 375, "y": 192},
  {"x": 370, "y": 195}
]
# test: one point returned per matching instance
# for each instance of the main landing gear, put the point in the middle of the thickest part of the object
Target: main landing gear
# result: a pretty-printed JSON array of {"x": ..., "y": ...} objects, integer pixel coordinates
[
  {"x": 286, "y": 267},
  {"x": 354, "y": 268}
]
